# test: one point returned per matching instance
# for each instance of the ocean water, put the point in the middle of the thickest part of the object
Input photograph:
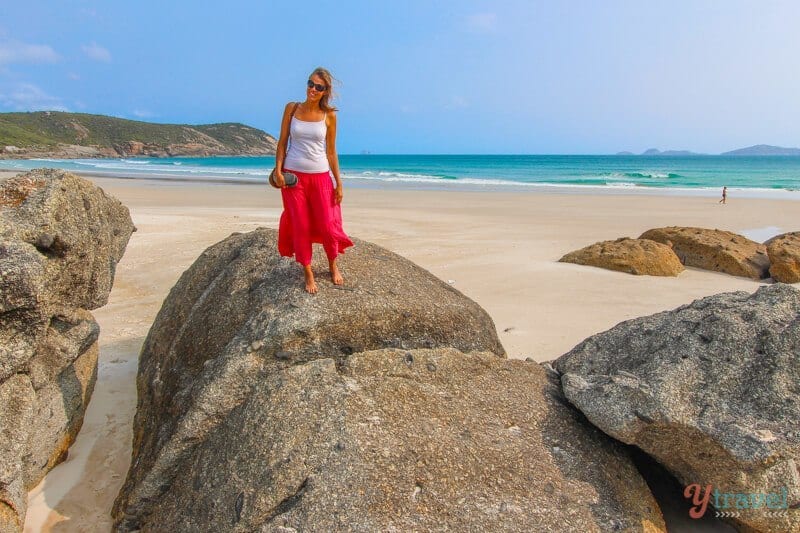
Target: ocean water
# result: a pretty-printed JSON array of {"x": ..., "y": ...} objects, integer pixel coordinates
[{"x": 757, "y": 176}]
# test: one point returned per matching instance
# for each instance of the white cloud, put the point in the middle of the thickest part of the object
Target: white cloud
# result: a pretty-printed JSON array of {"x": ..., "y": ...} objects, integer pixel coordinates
[
  {"x": 97, "y": 52},
  {"x": 73, "y": 76},
  {"x": 29, "y": 97},
  {"x": 143, "y": 113},
  {"x": 456, "y": 102},
  {"x": 17, "y": 52},
  {"x": 481, "y": 22}
]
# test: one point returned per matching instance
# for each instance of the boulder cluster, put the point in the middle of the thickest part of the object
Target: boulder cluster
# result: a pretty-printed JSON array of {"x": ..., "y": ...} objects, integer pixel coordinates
[
  {"x": 632, "y": 256},
  {"x": 784, "y": 257},
  {"x": 389, "y": 404},
  {"x": 386, "y": 404},
  {"x": 710, "y": 391},
  {"x": 665, "y": 251},
  {"x": 60, "y": 240}
]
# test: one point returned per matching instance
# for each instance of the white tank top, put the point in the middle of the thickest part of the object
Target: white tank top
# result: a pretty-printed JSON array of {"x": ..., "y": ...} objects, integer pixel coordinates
[{"x": 306, "y": 151}]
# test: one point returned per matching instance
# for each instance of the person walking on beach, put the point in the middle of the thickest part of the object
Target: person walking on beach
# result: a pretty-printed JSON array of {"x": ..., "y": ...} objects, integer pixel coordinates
[
  {"x": 311, "y": 208},
  {"x": 724, "y": 195}
]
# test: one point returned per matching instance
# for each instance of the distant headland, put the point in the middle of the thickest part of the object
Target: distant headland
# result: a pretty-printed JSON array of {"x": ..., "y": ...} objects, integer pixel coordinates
[
  {"x": 79, "y": 135},
  {"x": 758, "y": 149},
  {"x": 764, "y": 149}
]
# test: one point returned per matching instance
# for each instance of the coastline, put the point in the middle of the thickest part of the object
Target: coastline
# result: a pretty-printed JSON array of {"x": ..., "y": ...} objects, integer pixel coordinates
[
  {"x": 745, "y": 176},
  {"x": 463, "y": 185},
  {"x": 499, "y": 248}
]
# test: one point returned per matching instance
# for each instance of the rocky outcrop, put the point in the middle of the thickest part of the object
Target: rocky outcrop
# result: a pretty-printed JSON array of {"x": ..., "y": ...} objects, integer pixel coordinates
[
  {"x": 202, "y": 147},
  {"x": 406, "y": 440},
  {"x": 61, "y": 151},
  {"x": 80, "y": 135},
  {"x": 717, "y": 250},
  {"x": 383, "y": 404},
  {"x": 133, "y": 149},
  {"x": 633, "y": 256},
  {"x": 79, "y": 232},
  {"x": 60, "y": 240},
  {"x": 784, "y": 257},
  {"x": 710, "y": 390}
]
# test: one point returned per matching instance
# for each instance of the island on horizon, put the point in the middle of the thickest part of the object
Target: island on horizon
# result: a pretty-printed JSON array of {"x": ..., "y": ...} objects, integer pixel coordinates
[{"x": 755, "y": 150}]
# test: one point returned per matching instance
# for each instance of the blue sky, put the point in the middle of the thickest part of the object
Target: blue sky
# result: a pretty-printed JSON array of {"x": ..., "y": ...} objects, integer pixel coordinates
[{"x": 423, "y": 76}]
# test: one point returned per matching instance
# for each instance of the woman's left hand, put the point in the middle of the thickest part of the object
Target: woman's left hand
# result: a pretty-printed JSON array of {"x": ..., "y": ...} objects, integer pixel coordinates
[{"x": 338, "y": 192}]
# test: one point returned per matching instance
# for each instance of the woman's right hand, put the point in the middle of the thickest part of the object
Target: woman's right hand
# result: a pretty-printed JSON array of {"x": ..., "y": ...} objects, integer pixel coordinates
[{"x": 279, "y": 179}]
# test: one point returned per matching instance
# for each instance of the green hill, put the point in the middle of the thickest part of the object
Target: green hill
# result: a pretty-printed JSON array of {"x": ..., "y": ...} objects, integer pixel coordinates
[{"x": 61, "y": 134}]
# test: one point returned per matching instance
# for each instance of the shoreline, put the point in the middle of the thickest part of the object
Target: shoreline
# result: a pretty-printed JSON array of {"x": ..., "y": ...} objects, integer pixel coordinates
[
  {"x": 499, "y": 249},
  {"x": 463, "y": 185}
]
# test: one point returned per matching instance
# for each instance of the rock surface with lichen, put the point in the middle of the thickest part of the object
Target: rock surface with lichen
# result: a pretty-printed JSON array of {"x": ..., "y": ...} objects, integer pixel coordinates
[
  {"x": 641, "y": 257},
  {"x": 60, "y": 240},
  {"x": 709, "y": 390},
  {"x": 384, "y": 404},
  {"x": 713, "y": 249},
  {"x": 784, "y": 257}
]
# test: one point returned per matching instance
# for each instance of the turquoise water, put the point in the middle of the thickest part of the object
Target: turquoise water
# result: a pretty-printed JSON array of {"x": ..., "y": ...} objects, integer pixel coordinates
[{"x": 766, "y": 173}]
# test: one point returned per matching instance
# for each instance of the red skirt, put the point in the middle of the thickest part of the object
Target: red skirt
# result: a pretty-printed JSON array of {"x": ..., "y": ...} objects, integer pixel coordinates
[{"x": 311, "y": 214}]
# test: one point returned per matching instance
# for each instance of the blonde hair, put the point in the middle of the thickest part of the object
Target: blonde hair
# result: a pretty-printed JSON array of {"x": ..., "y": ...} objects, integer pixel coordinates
[{"x": 329, "y": 95}]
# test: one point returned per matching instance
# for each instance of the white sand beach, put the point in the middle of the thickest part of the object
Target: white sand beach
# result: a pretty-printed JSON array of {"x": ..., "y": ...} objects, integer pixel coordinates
[{"x": 499, "y": 249}]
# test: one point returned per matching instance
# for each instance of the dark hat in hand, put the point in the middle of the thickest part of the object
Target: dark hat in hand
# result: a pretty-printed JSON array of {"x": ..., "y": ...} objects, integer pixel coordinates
[{"x": 288, "y": 177}]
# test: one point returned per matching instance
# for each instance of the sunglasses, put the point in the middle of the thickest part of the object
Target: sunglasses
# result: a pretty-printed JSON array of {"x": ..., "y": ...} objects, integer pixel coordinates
[{"x": 317, "y": 86}]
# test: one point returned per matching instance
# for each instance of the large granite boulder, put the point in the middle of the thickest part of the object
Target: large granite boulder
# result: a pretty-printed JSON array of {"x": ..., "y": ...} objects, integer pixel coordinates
[
  {"x": 384, "y": 404},
  {"x": 17, "y": 405},
  {"x": 784, "y": 257},
  {"x": 405, "y": 440},
  {"x": 62, "y": 371},
  {"x": 80, "y": 232},
  {"x": 710, "y": 390},
  {"x": 24, "y": 316},
  {"x": 632, "y": 256},
  {"x": 60, "y": 240},
  {"x": 713, "y": 249}
]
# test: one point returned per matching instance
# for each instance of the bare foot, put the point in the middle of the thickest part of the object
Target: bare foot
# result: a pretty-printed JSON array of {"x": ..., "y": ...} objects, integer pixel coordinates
[
  {"x": 311, "y": 285},
  {"x": 336, "y": 276}
]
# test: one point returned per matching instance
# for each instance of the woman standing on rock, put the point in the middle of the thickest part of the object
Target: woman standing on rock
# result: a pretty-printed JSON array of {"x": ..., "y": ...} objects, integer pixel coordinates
[{"x": 312, "y": 207}]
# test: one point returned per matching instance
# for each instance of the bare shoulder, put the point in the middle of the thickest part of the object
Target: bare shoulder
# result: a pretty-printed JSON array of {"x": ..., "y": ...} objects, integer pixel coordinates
[
  {"x": 330, "y": 118},
  {"x": 289, "y": 107}
]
